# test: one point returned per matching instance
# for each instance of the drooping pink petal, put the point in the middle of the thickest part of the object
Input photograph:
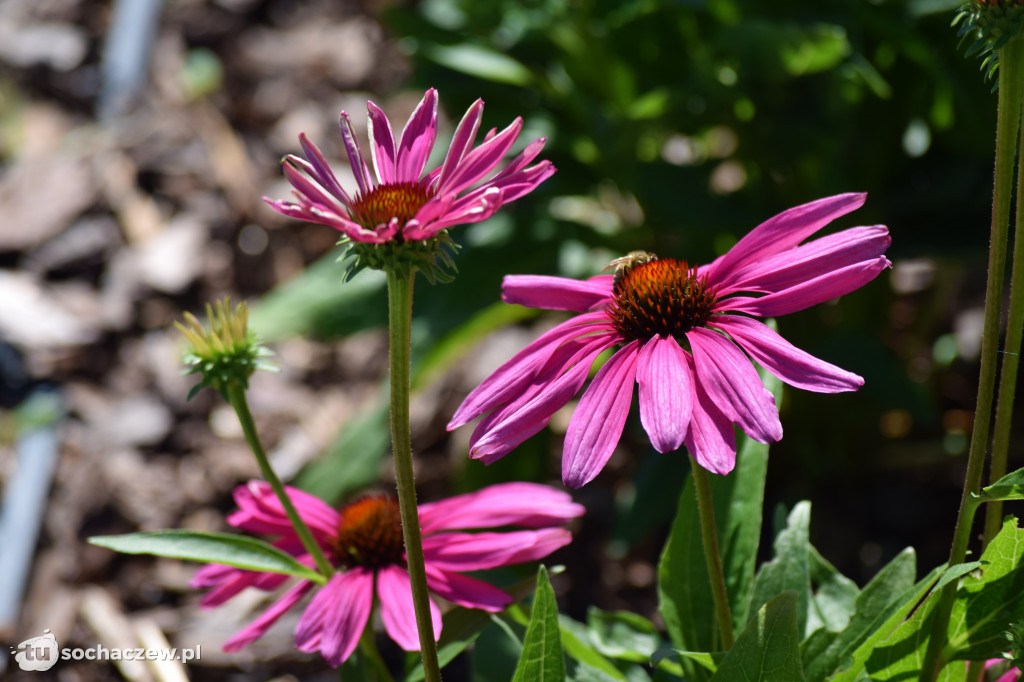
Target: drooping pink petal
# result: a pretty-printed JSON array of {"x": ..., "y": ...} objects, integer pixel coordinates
[
  {"x": 515, "y": 375},
  {"x": 259, "y": 627},
  {"x": 783, "y": 359},
  {"x": 524, "y": 182},
  {"x": 472, "y": 208},
  {"x": 309, "y": 187},
  {"x": 259, "y": 511},
  {"x": 781, "y": 233},
  {"x": 336, "y": 616},
  {"x": 596, "y": 424},
  {"x": 711, "y": 438},
  {"x": 810, "y": 260},
  {"x": 417, "y": 139},
  {"x": 529, "y": 505},
  {"x": 382, "y": 144},
  {"x": 666, "y": 392},
  {"x": 556, "y": 383},
  {"x": 355, "y": 156},
  {"x": 463, "y": 552},
  {"x": 480, "y": 161},
  {"x": 226, "y": 582},
  {"x": 730, "y": 380},
  {"x": 556, "y": 293},
  {"x": 466, "y": 591},
  {"x": 811, "y": 292},
  {"x": 397, "y": 610}
]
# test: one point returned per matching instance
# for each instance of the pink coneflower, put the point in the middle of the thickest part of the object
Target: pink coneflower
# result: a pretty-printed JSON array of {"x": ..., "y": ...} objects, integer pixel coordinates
[
  {"x": 402, "y": 203},
  {"x": 1011, "y": 675},
  {"x": 684, "y": 335},
  {"x": 364, "y": 541}
]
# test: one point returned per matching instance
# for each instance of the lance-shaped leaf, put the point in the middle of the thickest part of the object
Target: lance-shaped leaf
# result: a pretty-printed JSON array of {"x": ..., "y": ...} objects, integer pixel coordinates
[
  {"x": 790, "y": 569},
  {"x": 542, "y": 659},
  {"x": 1009, "y": 487},
  {"x": 239, "y": 551},
  {"x": 768, "y": 649}
]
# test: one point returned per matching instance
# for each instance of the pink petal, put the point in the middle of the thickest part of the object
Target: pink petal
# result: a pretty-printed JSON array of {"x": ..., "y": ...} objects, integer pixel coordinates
[
  {"x": 417, "y": 139},
  {"x": 472, "y": 208},
  {"x": 321, "y": 170},
  {"x": 812, "y": 292},
  {"x": 666, "y": 392},
  {"x": 382, "y": 144},
  {"x": 463, "y": 552},
  {"x": 355, "y": 157},
  {"x": 480, "y": 161},
  {"x": 530, "y": 505},
  {"x": 711, "y": 438},
  {"x": 509, "y": 380},
  {"x": 554, "y": 385},
  {"x": 259, "y": 511},
  {"x": 466, "y": 591},
  {"x": 783, "y": 359},
  {"x": 731, "y": 381},
  {"x": 556, "y": 293},
  {"x": 259, "y": 627},
  {"x": 811, "y": 260},
  {"x": 336, "y": 616},
  {"x": 309, "y": 188},
  {"x": 596, "y": 424},
  {"x": 781, "y": 233},
  {"x": 397, "y": 609},
  {"x": 462, "y": 140},
  {"x": 523, "y": 182}
]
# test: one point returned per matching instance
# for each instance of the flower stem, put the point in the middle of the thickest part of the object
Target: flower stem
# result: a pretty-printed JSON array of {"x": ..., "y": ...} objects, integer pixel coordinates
[
  {"x": 712, "y": 556},
  {"x": 399, "y": 349},
  {"x": 373, "y": 667},
  {"x": 236, "y": 396},
  {"x": 1011, "y": 89},
  {"x": 1011, "y": 345}
]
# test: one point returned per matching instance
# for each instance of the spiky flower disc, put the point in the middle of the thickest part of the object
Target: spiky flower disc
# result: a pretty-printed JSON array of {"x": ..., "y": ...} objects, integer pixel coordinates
[{"x": 227, "y": 353}]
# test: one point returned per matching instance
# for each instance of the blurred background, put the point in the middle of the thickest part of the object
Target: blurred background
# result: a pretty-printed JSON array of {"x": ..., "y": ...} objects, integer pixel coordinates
[{"x": 136, "y": 141}]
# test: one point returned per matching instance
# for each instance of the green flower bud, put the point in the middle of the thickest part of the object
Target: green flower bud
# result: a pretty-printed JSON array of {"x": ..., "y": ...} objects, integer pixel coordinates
[
  {"x": 992, "y": 24},
  {"x": 227, "y": 353}
]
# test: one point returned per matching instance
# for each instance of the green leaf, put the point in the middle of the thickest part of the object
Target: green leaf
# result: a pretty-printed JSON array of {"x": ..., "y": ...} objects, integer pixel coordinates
[
  {"x": 768, "y": 650},
  {"x": 683, "y": 584},
  {"x": 835, "y": 599},
  {"x": 542, "y": 659},
  {"x": 461, "y": 627},
  {"x": 1009, "y": 487},
  {"x": 886, "y": 593},
  {"x": 880, "y": 608},
  {"x": 481, "y": 62},
  {"x": 622, "y": 634},
  {"x": 239, "y": 551},
  {"x": 989, "y": 600},
  {"x": 790, "y": 569},
  {"x": 576, "y": 642},
  {"x": 708, "y": 660}
]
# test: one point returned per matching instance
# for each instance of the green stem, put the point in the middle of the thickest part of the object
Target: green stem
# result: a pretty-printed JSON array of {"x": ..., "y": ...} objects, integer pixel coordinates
[
  {"x": 236, "y": 396},
  {"x": 399, "y": 343},
  {"x": 708, "y": 531},
  {"x": 370, "y": 659},
  {"x": 1011, "y": 346},
  {"x": 1011, "y": 88}
]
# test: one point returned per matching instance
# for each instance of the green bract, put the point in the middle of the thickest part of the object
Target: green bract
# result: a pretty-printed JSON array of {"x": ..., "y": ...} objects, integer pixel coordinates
[
  {"x": 432, "y": 257},
  {"x": 227, "y": 353},
  {"x": 992, "y": 24}
]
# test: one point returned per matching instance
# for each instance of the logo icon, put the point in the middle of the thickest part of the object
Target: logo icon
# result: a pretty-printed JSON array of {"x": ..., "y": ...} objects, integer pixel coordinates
[{"x": 38, "y": 653}]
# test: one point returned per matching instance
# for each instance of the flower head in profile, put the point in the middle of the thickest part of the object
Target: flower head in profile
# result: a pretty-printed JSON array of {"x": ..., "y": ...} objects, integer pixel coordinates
[
  {"x": 686, "y": 335},
  {"x": 364, "y": 542},
  {"x": 398, "y": 202},
  {"x": 1012, "y": 674}
]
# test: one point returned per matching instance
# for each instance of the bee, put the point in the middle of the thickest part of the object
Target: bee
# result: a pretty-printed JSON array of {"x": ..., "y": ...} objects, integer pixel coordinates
[{"x": 628, "y": 262}]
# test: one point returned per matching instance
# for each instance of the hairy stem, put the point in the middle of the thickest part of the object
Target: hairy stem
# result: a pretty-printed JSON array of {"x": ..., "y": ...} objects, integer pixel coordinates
[
  {"x": 1011, "y": 346},
  {"x": 712, "y": 556},
  {"x": 1011, "y": 87},
  {"x": 399, "y": 350},
  {"x": 236, "y": 396}
]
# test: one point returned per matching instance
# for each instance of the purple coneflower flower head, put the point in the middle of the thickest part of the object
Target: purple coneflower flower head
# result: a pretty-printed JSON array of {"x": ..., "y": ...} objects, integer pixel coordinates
[
  {"x": 398, "y": 201},
  {"x": 686, "y": 335},
  {"x": 364, "y": 542}
]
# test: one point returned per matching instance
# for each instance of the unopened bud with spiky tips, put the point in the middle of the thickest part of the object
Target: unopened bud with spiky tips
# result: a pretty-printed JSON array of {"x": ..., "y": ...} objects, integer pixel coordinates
[
  {"x": 1016, "y": 636},
  {"x": 227, "y": 352}
]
